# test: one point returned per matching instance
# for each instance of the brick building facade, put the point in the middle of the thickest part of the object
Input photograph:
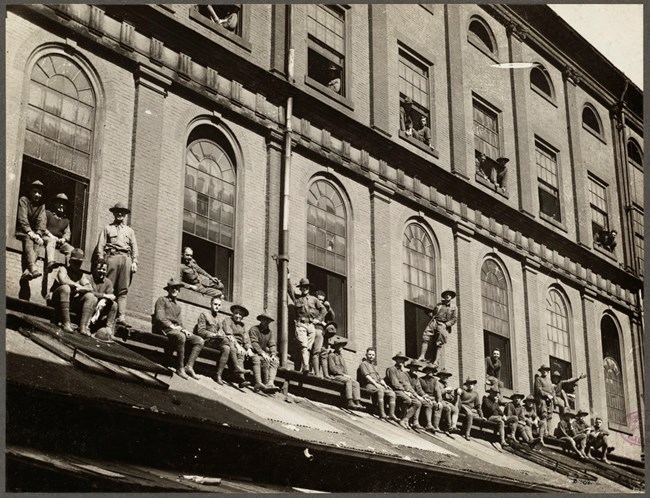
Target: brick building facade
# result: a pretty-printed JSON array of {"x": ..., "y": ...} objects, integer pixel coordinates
[{"x": 163, "y": 108}]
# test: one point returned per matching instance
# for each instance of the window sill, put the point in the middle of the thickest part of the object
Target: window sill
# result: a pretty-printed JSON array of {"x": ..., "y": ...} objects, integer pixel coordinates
[
  {"x": 621, "y": 429},
  {"x": 329, "y": 93},
  {"x": 212, "y": 26},
  {"x": 604, "y": 252},
  {"x": 594, "y": 133},
  {"x": 545, "y": 96},
  {"x": 487, "y": 183},
  {"x": 419, "y": 144},
  {"x": 482, "y": 48},
  {"x": 553, "y": 221}
]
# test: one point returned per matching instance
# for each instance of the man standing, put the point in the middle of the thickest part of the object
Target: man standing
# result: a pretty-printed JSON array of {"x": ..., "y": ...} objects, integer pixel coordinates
[
  {"x": 240, "y": 338},
  {"x": 57, "y": 231},
  {"x": 31, "y": 228},
  {"x": 72, "y": 288},
  {"x": 209, "y": 328},
  {"x": 469, "y": 401},
  {"x": 196, "y": 278},
  {"x": 318, "y": 359},
  {"x": 105, "y": 310},
  {"x": 264, "y": 344},
  {"x": 167, "y": 321},
  {"x": 309, "y": 311},
  {"x": 368, "y": 377},
  {"x": 493, "y": 412},
  {"x": 544, "y": 394},
  {"x": 338, "y": 371},
  {"x": 399, "y": 381},
  {"x": 118, "y": 247},
  {"x": 443, "y": 316}
]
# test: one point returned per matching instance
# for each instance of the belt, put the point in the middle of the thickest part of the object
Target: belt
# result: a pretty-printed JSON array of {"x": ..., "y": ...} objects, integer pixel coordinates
[{"x": 113, "y": 252}]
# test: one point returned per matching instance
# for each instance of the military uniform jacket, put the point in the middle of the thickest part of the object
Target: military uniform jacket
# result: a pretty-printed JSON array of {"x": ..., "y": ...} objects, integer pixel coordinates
[
  {"x": 310, "y": 307},
  {"x": 208, "y": 325},
  {"x": 58, "y": 226},
  {"x": 470, "y": 399},
  {"x": 238, "y": 331},
  {"x": 190, "y": 273},
  {"x": 31, "y": 217},
  {"x": 398, "y": 380},
  {"x": 415, "y": 384},
  {"x": 117, "y": 237},
  {"x": 543, "y": 385},
  {"x": 366, "y": 368},
  {"x": 101, "y": 288},
  {"x": 262, "y": 341},
  {"x": 442, "y": 314},
  {"x": 490, "y": 408},
  {"x": 167, "y": 312},
  {"x": 336, "y": 364}
]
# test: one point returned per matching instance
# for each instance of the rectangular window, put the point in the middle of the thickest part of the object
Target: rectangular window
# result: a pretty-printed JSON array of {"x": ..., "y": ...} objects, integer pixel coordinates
[
  {"x": 637, "y": 225},
  {"x": 486, "y": 131},
  {"x": 547, "y": 181},
  {"x": 495, "y": 341},
  {"x": 414, "y": 84},
  {"x": 227, "y": 17},
  {"x": 636, "y": 183},
  {"x": 598, "y": 202},
  {"x": 415, "y": 321},
  {"x": 335, "y": 288},
  {"x": 326, "y": 46}
]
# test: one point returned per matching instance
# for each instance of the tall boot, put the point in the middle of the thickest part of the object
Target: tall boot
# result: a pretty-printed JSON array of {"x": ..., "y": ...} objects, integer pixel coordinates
[
  {"x": 121, "y": 309},
  {"x": 180, "y": 359},
  {"x": 305, "y": 361},
  {"x": 64, "y": 307},
  {"x": 380, "y": 406},
  {"x": 315, "y": 364},
  {"x": 324, "y": 365},
  {"x": 409, "y": 413},
  {"x": 391, "y": 411},
  {"x": 87, "y": 309},
  {"x": 428, "y": 413},
  {"x": 437, "y": 415},
  {"x": 257, "y": 375},
  {"x": 272, "y": 372},
  {"x": 221, "y": 365},
  {"x": 194, "y": 354}
]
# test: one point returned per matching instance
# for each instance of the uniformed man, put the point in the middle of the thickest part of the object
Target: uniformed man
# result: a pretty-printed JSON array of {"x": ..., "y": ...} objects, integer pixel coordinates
[
  {"x": 413, "y": 368},
  {"x": 103, "y": 320},
  {"x": 400, "y": 382},
  {"x": 580, "y": 427},
  {"x": 469, "y": 403},
  {"x": 368, "y": 377},
  {"x": 167, "y": 321},
  {"x": 196, "y": 278},
  {"x": 565, "y": 432},
  {"x": 493, "y": 413},
  {"x": 529, "y": 414},
  {"x": 118, "y": 247},
  {"x": 493, "y": 368},
  {"x": 443, "y": 316},
  {"x": 516, "y": 428},
  {"x": 328, "y": 333},
  {"x": 318, "y": 359},
  {"x": 71, "y": 288},
  {"x": 544, "y": 393},
  {"x": 433, "y": 392},
  {"x": 560, "y": 398},
  {"x": 309, "y": 311},
  {"x": 339, "y": 371},
  {"x": 209, "y": 328},
  {"x": 57, "y": 231},
  {"x": 450, "y": 401},
  {"x": 264, "y": 344},
  {"x": 597, "y": 440},
  {"x": 30, "y": 228},
  {"x": 235, "y": 330}
]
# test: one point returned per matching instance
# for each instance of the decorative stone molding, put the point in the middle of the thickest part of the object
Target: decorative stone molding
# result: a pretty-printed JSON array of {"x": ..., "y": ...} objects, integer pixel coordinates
[
  {"x": 185, "y": 66},
  {"x": 96, "y": 20},
  {"x": 155, "y": 51},
  {"x": 212, "y": 80},
  {"x": 126, "y": 35},
  {"x": 572, "y": 75},
  {"x": 517, "y": 30}
]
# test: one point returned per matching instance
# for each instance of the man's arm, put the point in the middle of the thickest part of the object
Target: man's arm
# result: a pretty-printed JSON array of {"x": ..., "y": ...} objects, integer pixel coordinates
[
  {"x": 66, "y": 233},
  {"x": 101, "y": 242},
  {"x": 334, "y": 367},
  {"x": 134, "y": 247},
  {"x": 160, "y": 314},
  {"x": 254, "y": 334},
  {"x": 477, "y": 406},
  {"x": 453, "y": 318}
]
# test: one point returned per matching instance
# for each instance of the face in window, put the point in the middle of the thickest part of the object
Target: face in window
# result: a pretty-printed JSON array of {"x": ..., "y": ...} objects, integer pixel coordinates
[
  {"x": 35, "y": 195},
  {"x": 423, "y": 122},
  {"x": 59, "y": 207},
  {"x": 187, "y": 255},
  {"x": 496, "y": 354}
]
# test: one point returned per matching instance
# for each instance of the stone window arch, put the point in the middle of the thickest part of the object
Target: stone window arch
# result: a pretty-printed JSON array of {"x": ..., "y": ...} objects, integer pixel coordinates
[
  {"x": 613, "y": 368},
  {"x": 480, "y": 35},
  {"x": 591, "y": 120},
  {"x": 540, "y": 81}
]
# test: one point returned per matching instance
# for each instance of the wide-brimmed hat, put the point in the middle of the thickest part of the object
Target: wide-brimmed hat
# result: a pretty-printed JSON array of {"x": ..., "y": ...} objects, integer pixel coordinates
[
  {"x": 429, "y": 367},
  {"x": 448, "y": 292},
  {"x": 492, "y": 389},
  {"x": 408, "y": 101},
  {"x": 469, "y": 380},
  {"x": 517, "y": 395},
  {"x": 556, "y": 374},
  {"x": 37, "y": 184},
  {"x": 569, "y": 412},
  {"x": 265, "y": 316},
  {"x": 77, "y": 255},
  {"x": 581, "y": 413},
  {"x": 530, "y": 398},
  {"x": 544, "y": 367},
  {"x": 502, "y": 161},
  {"x": 444, "y": 373},
  {"x": 120, "y": 206},
  {"x": 400, "y": 356},
  {"x": 244, "y": 311},
  {"x": 104, "y": 334},
  {"x": 337, "y": 340},
  {"x": 330, "y": 328},
  {"x": 61, "y": 197},
  {"x": 172, "y": 283},
  {"x": 304, "y": 282},
  {"x": 415, "y": 365}
]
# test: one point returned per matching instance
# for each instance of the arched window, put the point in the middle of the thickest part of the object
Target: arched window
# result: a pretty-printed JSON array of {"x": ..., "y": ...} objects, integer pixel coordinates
[
  {"x": 327, "y": 247},
  {"x": 557, "y": 332},
  {"x": 209, "y": 203},
  {"x": 60, "y": 125},
  {"x": 480, "y": 35},
  {"x": 635, "y": 174},
  {"x": 541, "y": 81},
  {"x": 614, "y": 385},
  {"x": 496, "y": 316},
  {"x": 591, "y": 120},
  {"x": 418, "y": 268}
]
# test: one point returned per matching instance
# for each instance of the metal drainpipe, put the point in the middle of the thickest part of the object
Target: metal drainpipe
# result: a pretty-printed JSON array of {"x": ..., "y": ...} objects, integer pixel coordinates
[{"x": 283, "y": 257}]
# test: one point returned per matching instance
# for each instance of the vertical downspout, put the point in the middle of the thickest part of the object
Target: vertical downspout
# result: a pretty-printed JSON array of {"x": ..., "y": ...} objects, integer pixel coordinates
[{"x": 283, "y": 257}]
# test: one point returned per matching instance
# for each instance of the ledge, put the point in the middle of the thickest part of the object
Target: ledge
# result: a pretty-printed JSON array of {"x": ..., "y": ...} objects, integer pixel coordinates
[
  {"x": 329, "y": 93},
  {"x": 419, "y": 144},
  {"x": 487, "y": 183},
  {"x": 556, "y": 224}
]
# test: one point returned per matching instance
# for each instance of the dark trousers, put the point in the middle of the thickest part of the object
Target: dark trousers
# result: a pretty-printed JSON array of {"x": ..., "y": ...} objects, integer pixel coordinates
[
  {"x": 177, "y": 340},
  {"x": 30, "y": 252},
  {"x": 119, "y": 271}
]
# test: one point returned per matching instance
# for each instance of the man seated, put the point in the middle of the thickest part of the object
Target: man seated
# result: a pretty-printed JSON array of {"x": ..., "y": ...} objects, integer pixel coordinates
[
  {"x": 196, "y": 278},
  {"x": 581, "y": 427},
  {"x": 426, "y": 402},
  {"x": 494, "y": 170},
  {"x": 433, "y": 392},
  {"x": 532, "y": 421},
  {"x": 368, "y": 377},
  {"x": 493, "y": 412},
  {"x": 450, "y": 401},
  {"x": 209, "y": 328},
  {"x": 405, "y": 111},
  {"x": 328, "y": 333},
  {"x": 516, "y": 428},
  {"x": 399, "y": 381},
  {"x": 264, "y": 344},
  {"x": 597, "y": 440},
  {"x": 236, "y": 332},
  {"x": 167, "y": 321},
  {"x": 30, "y": 228},
  {"x": 230, "y": 19},
  {"x": 71, "y": 288},
  {"x": 103, "y": 320},
  {"x": 561, "y": 399},
  {"x": 57, "y": 231},
  {"x": 566, "y": 433},
  {"x": 493, "y": 367},
  {"x": 338, "y": 371},
  {"x": 469, "y": 403}
]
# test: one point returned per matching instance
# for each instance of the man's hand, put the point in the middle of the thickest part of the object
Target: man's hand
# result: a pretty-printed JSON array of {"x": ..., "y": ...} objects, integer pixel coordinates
[
  {"x": 134, "y": 267},
  {"x": 186, "y": 332},
  {"x": 193, "y": 287},
  {"x": 36, "y": 238},
  {"x": 583, "y": 376},
  {"x": 110, "y": 297}
]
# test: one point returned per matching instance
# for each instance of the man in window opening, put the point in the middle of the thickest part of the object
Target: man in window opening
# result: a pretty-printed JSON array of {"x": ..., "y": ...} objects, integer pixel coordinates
[
  {"x": 494, "y": 170},
  {"x": 239, "y": 337},
  {"x": 334, "y": 78},
  {"x": 167, "y": 321},
  {"x": 469, "y": 402},
  {"x": 561, "y": 399},
  {"x": 565, "y": 432},
  {"x": 118, "y": 247},
  {"x": 544, "y": 392},
  {"x": 368, "y": 377},
  {"x": 31, "y": 228},
  {"x": 493, "y": 368},
  {"x": 493, "y": 413},
  {"x": 209, "y": 328},
  {"x": 607, "y": 239},
  {"x": 426, "y": 402},
  {"x": 57, "y": 231},
  {"x": 597, "y": 440},
  {"x": 338, "y": 371},
  {"x": 103, "y": 320},
  {"x": 309, "y": 311},
  {"x": 196, "y": 278},
  {"x": 405, "y": 119},
  {"x": 71, "y": 288},
  {"x": 264, "y": 344},
  {"x": 399, "y": 381},
  {"x": 317, "y": 363},
  {"x": 424, "y": 133},
  {"x": 328, "y": 333},
  {"x": 443, "y": 316},
  {"x": 230, "y": 20}
]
